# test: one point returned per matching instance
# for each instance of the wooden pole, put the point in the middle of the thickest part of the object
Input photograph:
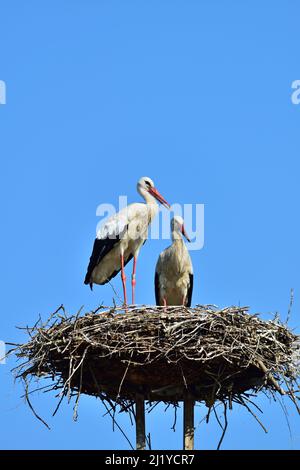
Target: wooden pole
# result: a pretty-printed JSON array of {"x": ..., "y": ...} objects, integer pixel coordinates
[
  {"x": 188, "y": 423},
  {"x": 140, "y": 422}
]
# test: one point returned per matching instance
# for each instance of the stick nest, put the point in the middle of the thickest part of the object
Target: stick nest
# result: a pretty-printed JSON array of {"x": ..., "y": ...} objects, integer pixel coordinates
[{"x": 164, "y": 354}]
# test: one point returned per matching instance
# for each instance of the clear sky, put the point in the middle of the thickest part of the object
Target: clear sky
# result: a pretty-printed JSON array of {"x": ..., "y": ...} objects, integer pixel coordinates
[{"x": 196, "y": 95}]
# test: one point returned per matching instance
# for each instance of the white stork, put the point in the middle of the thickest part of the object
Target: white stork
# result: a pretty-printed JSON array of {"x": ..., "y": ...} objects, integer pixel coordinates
[
  {"x": 121, "y": 237},
  {"x": 174, "y": 270}
]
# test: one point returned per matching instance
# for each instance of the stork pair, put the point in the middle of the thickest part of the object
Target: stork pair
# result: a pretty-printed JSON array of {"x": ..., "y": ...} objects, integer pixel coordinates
[{"x": 121, "y": 238}]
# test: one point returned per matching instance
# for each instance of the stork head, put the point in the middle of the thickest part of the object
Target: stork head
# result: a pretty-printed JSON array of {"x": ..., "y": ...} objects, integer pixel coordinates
[
  {"x": 177, "y": 225},
  {"x": 146, "y": 186}
]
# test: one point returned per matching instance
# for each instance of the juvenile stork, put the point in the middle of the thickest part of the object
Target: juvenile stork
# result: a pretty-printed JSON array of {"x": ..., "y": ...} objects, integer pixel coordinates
[
  {"x": 174, "y": 270},
  {"x": 121, "y": 237}
]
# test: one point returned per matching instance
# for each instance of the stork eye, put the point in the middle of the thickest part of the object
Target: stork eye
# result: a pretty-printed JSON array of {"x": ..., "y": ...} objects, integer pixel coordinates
[{"x": 148, "y": 184}]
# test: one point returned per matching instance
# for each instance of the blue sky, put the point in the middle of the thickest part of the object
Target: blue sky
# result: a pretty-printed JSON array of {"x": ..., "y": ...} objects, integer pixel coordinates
[{"x": 196, "y": 95}]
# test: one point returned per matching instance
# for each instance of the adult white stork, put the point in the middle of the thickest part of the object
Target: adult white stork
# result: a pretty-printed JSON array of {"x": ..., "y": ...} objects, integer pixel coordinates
[
  {"x": 174, "y": 270},
  {"x": 121, "y": 237}
]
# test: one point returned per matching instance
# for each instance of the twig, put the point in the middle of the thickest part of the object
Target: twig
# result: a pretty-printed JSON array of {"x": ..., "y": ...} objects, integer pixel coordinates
[
  {"x": 270, "y": 377},
  {"x": 224, "y": 427},
  {"x": 118, "y": 426},
  {"x": 31, "y": 407},
  {"x": 290, "y": 306}
]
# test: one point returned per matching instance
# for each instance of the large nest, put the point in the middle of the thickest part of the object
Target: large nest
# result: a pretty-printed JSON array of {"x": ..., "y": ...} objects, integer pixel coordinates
[{"x": 163, "y": 354}]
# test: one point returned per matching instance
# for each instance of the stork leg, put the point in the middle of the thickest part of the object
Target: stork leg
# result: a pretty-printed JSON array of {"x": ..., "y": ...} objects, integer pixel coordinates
[
  {"x": 165, "y": 303},
  {"x": 133, "y": 281},
  {"x": 123, "y": 279}
]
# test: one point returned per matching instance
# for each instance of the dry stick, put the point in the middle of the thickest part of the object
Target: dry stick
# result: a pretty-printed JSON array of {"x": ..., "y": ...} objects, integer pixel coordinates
[
  {"x": 38, "y": 390},
  {"x": 224, "y": 427},
  {"x": 183, "y": 376},
  {"x": 292, "y": 396},
  {"x": 208, "y": 414},
  {"x": 108, "y": 410},
  {"x": 290, "y": 306},
  {"x": 123, "y": 378},
  {"x": 31, "y": 407},
  {"x": 188, "y": 423},
  {"x": 149, "y": 441},
  {"x": 286, "y": 415},
  {"x": 253, "y": 414},
  {"x": 58, "y": 405},
  {"x": 75, "y": 413},
  {"x": 68, "y": 381},
  {"x": 118, "y": 426},
  {"x": 270, "y": 377},
  {"x": 217, "y": 418},
  {"x": 121, "y": 383},
  {"x": 246, "y": 397},
  {"x": 140, "y": 422},
  {"x": 175, "y": 419},
  {"x": 115, "y": 292}
]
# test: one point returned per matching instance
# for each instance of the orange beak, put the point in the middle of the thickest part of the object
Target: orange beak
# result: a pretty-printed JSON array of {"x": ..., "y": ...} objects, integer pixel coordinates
[{"x": 159, "y": 197}]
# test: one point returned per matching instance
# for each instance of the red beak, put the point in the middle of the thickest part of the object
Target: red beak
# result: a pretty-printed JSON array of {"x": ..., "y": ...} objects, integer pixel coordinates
[
  {"x": 185, "y": 234},
  {"x": 159, "y": 197}
]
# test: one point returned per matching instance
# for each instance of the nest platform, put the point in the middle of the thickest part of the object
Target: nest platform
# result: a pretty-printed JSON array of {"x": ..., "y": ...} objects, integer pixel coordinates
[{"x": 163, "y": 354}]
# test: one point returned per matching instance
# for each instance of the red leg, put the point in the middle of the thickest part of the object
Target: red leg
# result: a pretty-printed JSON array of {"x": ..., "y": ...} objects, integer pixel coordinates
[
  {"x": 123, "y": 279},
  {"x": 133, "y": 281},
  {"x": 165, "y": 303},
  {"x": 183, "y": 300}
]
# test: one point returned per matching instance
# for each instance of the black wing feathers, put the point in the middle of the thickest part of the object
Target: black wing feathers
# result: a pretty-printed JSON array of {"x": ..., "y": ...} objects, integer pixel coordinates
[
  {"x": 156, "y": 283},
  {"x": 190, "y": 291},
  {"x": 100, "y": 249}
]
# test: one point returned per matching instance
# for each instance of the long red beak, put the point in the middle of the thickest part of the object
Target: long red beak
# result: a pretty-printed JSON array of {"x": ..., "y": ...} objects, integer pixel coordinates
[
  {"x": 185, "y": 234},
  {"x": 159, "y": 197}
]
